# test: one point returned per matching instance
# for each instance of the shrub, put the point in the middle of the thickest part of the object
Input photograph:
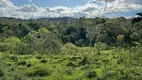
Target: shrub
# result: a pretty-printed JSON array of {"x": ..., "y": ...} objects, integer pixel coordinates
[
  {"x": 14, "y": 58},
  {"x": 38, "y": 71},
  {"x": 69, "y": 45},
  {"x": 74, "y": 58},
  {"x": 135, "y": 43},
  {"x": 69, "y": 72},
  {"x": 29, "y": 65},
  {"x": 38, "y": 56},
  {"x": 14, "y": 45},
  {"x": 84, "y": 61},
  {"x": 109, "y": 74},
  {"x": 43, "y": 61},
  {"x": 71, "y": 64},
  {"x": 101, "y": 46},
  {"x": 22, "y": 63},
  {"x": 91, "y": 74},
  {"x": 1, "y": 73}
]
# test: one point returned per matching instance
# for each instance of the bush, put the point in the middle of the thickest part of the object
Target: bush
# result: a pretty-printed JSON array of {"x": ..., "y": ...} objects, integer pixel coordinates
[
  {"x": 74, "y": 58},
  {"x": 22, "y": 63},
  {"x": 71, "y": 64},
  {"x": 69, "y": 72},
  {"x": 29, "y": 65},
  {"x": 14, "y": 58},
  {"x": 69, "y": 45},
  {"x": 84, "y": 61},
  {"x": 134, "y": 43},
  {"x": 38, "y": 56},
  {"x": 38, "y": 71},
  {"x": 91, "y": 74},
  {"x": 1, "y": 73},
  {"x": 43, "y": 61},
  {"x": 101, "y": 46}
]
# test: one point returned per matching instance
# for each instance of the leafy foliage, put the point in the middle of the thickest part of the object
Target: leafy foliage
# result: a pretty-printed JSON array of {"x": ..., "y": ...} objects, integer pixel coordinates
[{"x": 71, "y": 49}]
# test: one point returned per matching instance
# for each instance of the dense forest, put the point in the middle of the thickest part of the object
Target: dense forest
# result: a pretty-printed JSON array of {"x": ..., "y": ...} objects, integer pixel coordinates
[{"x": 71, "y": 48}]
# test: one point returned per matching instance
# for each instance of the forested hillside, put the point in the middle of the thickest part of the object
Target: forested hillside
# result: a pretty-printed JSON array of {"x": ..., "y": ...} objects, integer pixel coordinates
[{"x": 71, "y": 48}]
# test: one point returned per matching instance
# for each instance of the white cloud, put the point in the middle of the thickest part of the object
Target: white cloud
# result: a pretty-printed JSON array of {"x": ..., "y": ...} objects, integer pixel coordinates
[
  {"x": 28, "y": 8},
  {"x": 114, "y": 9},
  {"x": 7, "y": 4},
  {"x": 122, "y": 1}
]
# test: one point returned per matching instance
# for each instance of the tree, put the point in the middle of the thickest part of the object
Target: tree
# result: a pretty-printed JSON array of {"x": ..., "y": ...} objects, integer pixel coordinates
[
  {"x": 120, "y": 40},
  {"x": 139, "y": 14},
  {"x": 52, "y": 28},
  {"x": 42, "y": 41},
  {"x": 137, "y": 31},
  {"x": 43, "y": 32},
  {"x": 14, "y": 45},
  {"x": 137, "y": 19},
  {"x": 22, "y": 30}
]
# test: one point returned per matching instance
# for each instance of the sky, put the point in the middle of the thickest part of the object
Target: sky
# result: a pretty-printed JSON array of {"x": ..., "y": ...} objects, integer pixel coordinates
[{"x": 26, "y": 9}]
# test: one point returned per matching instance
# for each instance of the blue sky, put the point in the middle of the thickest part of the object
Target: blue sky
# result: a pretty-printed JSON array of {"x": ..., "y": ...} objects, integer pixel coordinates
[
  {"x": 69, "y": 8},
  {"x": 50, "y": 3}
]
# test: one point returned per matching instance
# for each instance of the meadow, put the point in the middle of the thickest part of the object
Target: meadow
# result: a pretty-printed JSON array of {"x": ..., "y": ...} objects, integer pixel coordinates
[{"x": 74, "y": 63}]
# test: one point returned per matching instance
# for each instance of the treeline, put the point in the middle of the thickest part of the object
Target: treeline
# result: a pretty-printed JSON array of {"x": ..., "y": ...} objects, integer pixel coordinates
[{"x": 48, "y": 35}]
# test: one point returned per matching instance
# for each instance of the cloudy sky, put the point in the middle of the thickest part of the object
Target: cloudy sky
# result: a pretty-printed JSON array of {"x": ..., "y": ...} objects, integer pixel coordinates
[{"x": 70, "y": 8}]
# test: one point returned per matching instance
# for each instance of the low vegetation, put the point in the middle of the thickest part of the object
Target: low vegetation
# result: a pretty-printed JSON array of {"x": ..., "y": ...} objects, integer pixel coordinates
[{"x": 76, "y": 49}]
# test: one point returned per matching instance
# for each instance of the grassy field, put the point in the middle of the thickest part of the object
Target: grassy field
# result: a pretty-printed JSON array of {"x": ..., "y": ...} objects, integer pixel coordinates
[{"x": 74, "y": 63}]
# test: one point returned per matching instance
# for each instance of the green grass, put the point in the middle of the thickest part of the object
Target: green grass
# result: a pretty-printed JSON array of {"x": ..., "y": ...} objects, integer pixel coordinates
[{"x": 79, "y": 64}]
